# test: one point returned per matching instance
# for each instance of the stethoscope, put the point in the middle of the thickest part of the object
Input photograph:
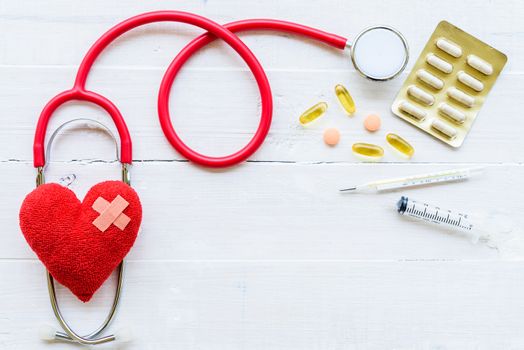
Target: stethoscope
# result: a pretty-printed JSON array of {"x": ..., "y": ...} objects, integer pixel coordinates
[{"x": 378, "y": 53}]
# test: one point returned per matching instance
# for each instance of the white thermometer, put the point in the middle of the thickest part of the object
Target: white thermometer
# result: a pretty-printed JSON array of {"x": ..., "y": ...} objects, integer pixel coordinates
[{"x": 416, "y": 180}]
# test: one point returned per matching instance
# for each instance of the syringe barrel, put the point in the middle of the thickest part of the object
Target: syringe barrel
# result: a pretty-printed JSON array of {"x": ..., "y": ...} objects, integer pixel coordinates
[{"x": 438, "y": 216}]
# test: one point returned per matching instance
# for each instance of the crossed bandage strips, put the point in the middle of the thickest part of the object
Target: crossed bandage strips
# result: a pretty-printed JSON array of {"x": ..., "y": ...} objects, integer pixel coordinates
[{"x": 111, "y": 213}]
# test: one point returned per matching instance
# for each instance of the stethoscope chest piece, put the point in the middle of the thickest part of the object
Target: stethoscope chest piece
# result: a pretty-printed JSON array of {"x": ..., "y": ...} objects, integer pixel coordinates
[{"x": 379, "y": 53}]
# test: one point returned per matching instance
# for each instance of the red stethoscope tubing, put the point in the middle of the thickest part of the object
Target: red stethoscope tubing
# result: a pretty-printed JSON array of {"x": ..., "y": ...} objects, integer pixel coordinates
[
  {"x": 265, "y": 120},
  {"x": 215, "y": 30}
]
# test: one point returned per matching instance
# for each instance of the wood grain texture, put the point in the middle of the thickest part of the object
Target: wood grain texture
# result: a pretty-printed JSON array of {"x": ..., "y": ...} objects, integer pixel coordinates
[
  {"x": 266, "y": 255},
  {"x": 265, "y": 211},
  {"x": 307, "y": 305},
  {"x": 219, "y": 121}
]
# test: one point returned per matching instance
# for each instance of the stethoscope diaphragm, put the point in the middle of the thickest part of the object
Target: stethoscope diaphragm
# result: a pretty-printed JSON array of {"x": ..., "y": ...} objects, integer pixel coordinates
[{"x": 379, "y": 53}]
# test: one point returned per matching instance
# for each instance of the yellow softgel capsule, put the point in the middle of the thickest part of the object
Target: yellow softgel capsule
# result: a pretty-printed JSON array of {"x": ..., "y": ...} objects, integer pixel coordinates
[
  {"x": 346, "y": 101},
  {"x": 368, "y": 150},
  {"x": 313, "y": 113},
  {"x": 400, "y": 144}
]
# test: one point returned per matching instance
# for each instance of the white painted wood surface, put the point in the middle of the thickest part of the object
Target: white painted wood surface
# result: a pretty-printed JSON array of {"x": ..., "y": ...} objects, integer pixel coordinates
[{"x": 266, "y": 255}]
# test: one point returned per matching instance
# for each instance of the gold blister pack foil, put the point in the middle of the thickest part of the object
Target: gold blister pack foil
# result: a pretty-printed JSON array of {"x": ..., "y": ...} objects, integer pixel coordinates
[{"x": 470, "y": 46}]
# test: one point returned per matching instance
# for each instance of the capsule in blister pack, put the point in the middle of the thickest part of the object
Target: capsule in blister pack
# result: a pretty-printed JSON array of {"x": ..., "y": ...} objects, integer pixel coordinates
[{"x": 448, "y": 84}]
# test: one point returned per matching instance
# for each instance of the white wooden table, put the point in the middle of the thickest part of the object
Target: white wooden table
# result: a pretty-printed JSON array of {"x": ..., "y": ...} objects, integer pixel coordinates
[{"x": 266, "y": 255}]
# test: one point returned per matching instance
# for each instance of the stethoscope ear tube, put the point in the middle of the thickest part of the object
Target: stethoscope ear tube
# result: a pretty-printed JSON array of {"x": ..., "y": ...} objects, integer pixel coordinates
[
  {"x": 87, "y": 121},
  {"x": 76, "y": 94},
  {"x": 69, "y": 334},
  {"x": 72, "y": 336},
  {"x": 215, "y": 30},
  {"x": 40, "y": 177}
]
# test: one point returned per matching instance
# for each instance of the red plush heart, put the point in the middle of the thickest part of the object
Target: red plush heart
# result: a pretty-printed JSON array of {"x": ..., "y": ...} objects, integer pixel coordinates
[{"x": 60, "y": 229}]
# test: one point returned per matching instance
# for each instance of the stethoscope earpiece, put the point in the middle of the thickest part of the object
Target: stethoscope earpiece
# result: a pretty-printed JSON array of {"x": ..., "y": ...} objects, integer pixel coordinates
[{"x": 47, "y": 332}]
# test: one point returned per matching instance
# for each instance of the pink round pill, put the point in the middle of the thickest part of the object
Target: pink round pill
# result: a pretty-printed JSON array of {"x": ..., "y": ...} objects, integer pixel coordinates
[
  {"x": 372, "y": 122},
  {"x": 331, "y": 136}
]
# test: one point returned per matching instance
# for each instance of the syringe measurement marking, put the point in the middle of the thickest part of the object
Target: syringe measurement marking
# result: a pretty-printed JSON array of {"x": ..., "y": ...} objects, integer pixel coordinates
[{"x": 436, "y": 217}]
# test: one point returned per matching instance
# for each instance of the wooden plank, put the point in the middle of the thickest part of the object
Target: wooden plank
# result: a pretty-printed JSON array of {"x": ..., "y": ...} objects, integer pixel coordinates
[
  {"x": 266, "y": 255},
  {"x": 66, "y": 31},
  {"x": 291, "y": 305},
  {"x": 267, "y": 211},
  {"x": 219, "y": 121}
]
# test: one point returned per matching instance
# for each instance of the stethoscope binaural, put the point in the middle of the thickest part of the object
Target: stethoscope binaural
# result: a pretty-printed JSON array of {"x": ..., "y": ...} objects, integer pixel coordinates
[
  {"x": 68, "y": 334},
  {"x": 367, "y": 53}
]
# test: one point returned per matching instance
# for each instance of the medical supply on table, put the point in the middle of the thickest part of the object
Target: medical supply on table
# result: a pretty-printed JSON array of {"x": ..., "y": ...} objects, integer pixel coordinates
[
  {"x": 449, "y": 47},
  {"x": 420, "y": 95},
  {"x": 372, "y": 122},
  {"x": 461, "y": 97},
  {"x": 400, "y": 145},
  {"x": 367, "y": 151},
  {"x": 412, "y": 110},
  {"x": 476, "y": 227},
  {"x": 378, "y": 53},
  {"x": 480, "y": 65},
  {"x": 448, "y": 84},
  {"x": 331, "y": 136},
  {"x": 428, "y": 78},
  {"x": 81, "y": 243},
  {"x": 416, "y": 180},
  {"x": 443, "y": 128},
  {"x": 313, "y": 113},
  {"x": 345, "y": 99},
  {"x": 470, "y": 81},
  {"x": 452, "y": 113}
]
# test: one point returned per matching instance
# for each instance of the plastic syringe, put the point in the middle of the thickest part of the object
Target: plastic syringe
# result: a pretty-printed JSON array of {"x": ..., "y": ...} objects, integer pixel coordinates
[
  {"x": 415, "y": 180},
  {"x": 492, "y": 226},
  {"x": 474, "y": 227}
]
